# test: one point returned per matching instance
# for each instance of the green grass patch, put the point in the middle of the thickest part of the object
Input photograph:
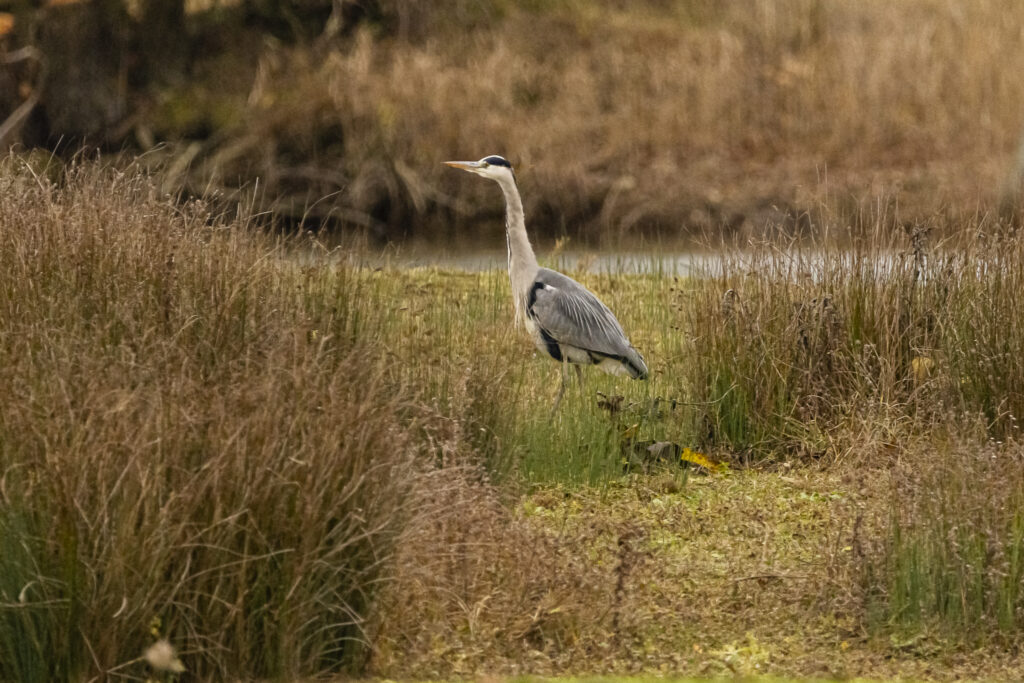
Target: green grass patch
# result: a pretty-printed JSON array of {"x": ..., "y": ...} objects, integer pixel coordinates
[{"x": 952, "y": 559}]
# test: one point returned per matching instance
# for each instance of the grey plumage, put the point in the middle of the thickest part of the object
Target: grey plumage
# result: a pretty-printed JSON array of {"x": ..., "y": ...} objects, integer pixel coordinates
[
  {"x": 574, "y": 317},
  {"x": 565, "y": 319}
]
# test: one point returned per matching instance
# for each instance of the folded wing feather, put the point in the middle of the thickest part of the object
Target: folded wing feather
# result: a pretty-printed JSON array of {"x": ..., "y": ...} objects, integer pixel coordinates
[{"x": 572, "y": 315}]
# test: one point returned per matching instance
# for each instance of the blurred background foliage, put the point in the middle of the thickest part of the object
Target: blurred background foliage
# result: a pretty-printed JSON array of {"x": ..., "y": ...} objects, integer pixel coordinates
[{"x": 661, "y": 118}]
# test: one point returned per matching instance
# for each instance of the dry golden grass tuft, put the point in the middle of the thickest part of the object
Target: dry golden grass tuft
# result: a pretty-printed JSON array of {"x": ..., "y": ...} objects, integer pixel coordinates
[
  {"x": 654, "y": 117},
  {"x": 792, "y": 347},
  {"x": 195, "y": 444}
]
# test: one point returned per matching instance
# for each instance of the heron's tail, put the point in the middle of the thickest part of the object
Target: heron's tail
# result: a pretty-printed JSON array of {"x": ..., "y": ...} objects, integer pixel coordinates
[{"x": 634, "y": 364}]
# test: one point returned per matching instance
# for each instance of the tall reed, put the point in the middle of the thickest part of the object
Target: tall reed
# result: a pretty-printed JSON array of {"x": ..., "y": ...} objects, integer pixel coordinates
[
  {"x": 196, "y": 442},
  {"x": 789, "y": 342},
  {"x": 951, "y": 560}
]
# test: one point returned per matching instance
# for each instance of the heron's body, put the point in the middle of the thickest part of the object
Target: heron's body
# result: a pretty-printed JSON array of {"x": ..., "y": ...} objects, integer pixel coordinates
[
  {"x": 565, "y": 319},
  {"x": 571, "y": 324}
]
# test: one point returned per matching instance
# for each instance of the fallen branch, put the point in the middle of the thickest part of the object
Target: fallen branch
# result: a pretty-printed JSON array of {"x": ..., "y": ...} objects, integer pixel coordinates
[{"x": 12, "y": 124}]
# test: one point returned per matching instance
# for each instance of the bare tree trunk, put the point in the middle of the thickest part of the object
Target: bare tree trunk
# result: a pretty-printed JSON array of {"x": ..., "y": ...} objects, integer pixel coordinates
[
  {"x": 85, "y": 92},
  {"x": 19, "y": 109},
  {"x": 162, "y": 40}
]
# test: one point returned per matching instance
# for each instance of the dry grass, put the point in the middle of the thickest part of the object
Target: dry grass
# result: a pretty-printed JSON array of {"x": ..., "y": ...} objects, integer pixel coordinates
[
  {"x": 749, "y": 574},
  {"x": 663, "y": 117},
  {"x": 848, "y": 353},
  {"x": 631, "y": 579},
  {"x": 950, "y": 564},
  {"x": 193, "y": 444},
  {"x": 792, "y": 348},
  {"x": 274, "y": 458}
]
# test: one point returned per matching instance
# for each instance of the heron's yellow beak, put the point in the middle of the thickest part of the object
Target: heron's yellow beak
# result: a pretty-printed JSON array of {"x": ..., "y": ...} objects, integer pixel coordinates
[{"x": 464, "y": 165}]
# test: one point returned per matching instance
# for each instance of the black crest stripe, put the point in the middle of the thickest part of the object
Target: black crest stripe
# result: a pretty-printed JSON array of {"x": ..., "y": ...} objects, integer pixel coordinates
[{"x": 497, "y": 161}]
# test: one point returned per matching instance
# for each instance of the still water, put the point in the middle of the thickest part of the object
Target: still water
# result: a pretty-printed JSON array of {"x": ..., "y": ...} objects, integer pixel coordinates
[
  {"x": 680, "y": 263},
  {"x": 792, "y": 262}
]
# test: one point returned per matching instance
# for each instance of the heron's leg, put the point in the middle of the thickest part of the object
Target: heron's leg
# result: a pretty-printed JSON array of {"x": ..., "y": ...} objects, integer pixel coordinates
[
  {"x": 579, "y": 377},
  {"x": 561, "y": 389}
]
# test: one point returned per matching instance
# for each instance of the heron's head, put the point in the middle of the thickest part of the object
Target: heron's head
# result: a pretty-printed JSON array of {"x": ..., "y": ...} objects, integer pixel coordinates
[{"x": 493, "y": 167}]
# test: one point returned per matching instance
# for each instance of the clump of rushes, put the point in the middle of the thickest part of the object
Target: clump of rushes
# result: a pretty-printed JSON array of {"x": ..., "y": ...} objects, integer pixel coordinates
[
  {"x": 952, "y": 558},
  {"x": 787, "y": 345},
  {"x": 192, "y": 427}
]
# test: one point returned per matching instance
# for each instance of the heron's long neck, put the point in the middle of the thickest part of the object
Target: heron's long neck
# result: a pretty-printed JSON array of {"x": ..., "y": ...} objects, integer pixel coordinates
[{"x": 522, "y": 264}]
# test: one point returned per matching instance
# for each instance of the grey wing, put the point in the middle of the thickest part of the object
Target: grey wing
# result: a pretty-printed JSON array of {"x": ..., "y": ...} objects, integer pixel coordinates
[{"x": 571, "y": 314}]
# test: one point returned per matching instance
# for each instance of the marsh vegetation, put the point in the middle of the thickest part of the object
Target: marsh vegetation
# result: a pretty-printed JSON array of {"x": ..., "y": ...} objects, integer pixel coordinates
[
  {"x": 230, "y": 445},
  {"x": 290, "y": 466},
  {"x": 654, "y": 118}
]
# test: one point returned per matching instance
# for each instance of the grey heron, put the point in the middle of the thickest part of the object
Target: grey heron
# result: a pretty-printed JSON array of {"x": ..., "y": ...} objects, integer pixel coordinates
[{"x": 565, "y": 319}]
